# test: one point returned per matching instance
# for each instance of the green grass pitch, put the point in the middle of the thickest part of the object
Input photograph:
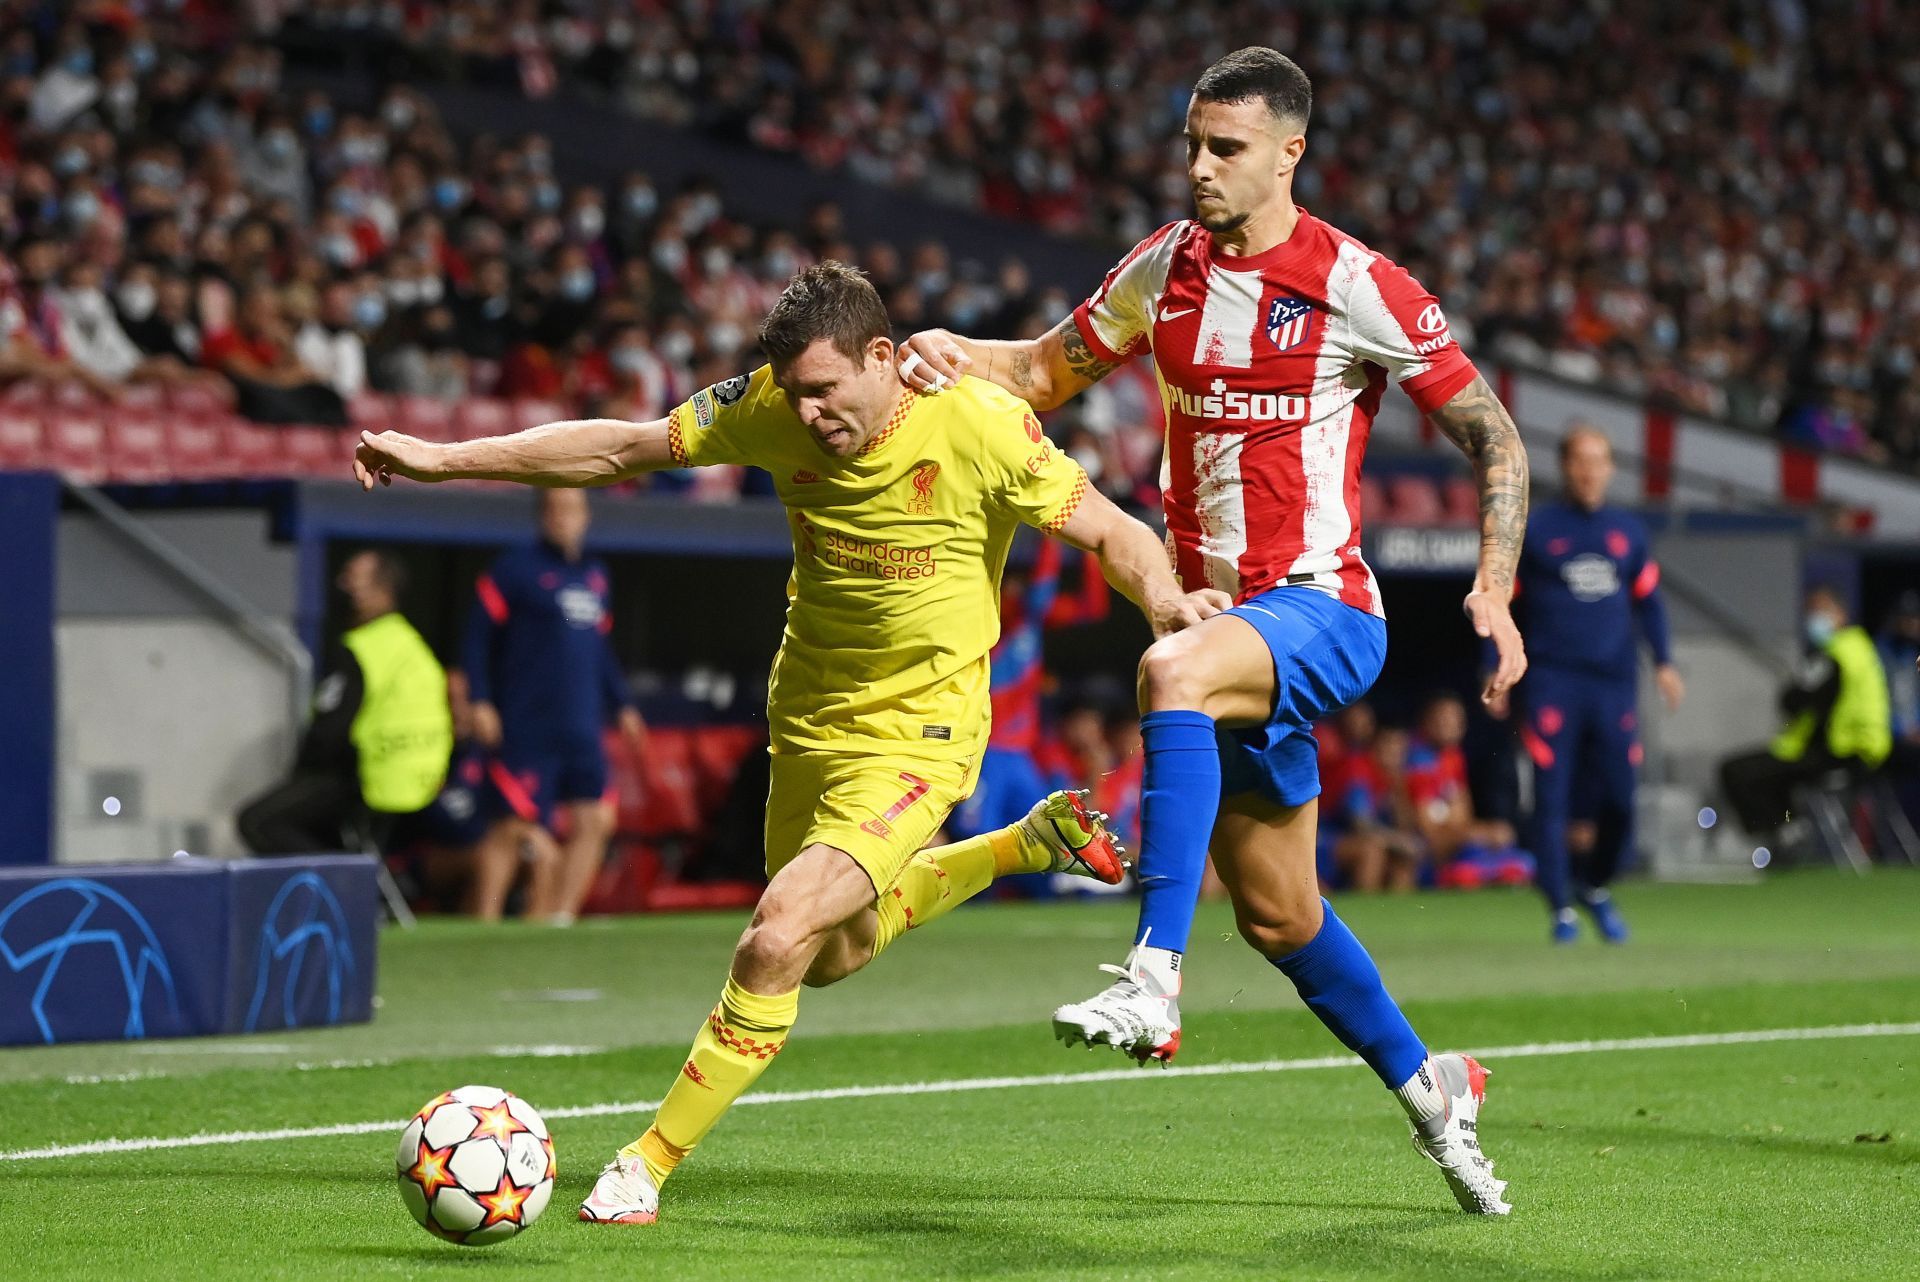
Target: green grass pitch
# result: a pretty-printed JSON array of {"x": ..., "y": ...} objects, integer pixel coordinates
[{"x": 1789, "y": 1160}]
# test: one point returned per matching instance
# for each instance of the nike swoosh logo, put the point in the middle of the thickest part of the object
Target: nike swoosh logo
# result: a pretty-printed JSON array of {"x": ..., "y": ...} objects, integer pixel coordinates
[{"x": 1166, "y": 315}]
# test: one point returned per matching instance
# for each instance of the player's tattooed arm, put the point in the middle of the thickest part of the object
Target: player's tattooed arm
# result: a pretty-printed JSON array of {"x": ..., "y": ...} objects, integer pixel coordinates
[
  {"x": 1479, "y": 424},
  {"x": 1045, "y": 372},
  {"x": 1078, "y": 356}
]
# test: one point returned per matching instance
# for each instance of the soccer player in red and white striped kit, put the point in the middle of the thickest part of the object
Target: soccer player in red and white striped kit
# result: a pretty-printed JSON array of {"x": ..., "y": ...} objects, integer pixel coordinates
[{"x": 1273, "y": 336}]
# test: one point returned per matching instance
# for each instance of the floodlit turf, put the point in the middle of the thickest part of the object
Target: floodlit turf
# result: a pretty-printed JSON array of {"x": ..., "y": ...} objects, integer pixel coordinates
[{"x": 1738, "y": 1161}]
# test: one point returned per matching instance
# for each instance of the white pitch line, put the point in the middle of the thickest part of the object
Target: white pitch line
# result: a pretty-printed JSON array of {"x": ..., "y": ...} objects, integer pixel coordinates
[{"x": 962, "y": 1084}]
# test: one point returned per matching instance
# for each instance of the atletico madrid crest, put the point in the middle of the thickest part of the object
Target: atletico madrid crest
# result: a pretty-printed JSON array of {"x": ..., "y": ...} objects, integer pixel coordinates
[{"x": 1288, "y": 320}]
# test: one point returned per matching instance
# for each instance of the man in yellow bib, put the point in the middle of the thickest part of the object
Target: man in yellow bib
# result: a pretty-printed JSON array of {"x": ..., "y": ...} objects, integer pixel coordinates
[{"x": 901, "y": 508}]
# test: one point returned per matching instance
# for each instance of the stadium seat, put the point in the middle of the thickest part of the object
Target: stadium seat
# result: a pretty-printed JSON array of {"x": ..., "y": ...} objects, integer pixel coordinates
[
  {"x": 314, "y": 452},
  {"x": 136, "y": 449},
  {"x": 1414, "y": 500},
  {"x": 26, "y": 394},
  {"x": 370, "y": 410},
  {"x": 483, "y": 416},
  {"x": 197, "y": 447},
  {"x": 77, "y": 446},
  {"x": 146, "y": 398},
  {"x": 1373, "y": 501},
  {"x": 427, "y": 417},
  {"x": 22, "y": 439},
  {"x": 255, "y": 451},
  {"x": 532, "y": 413},
  {"x": 1460, "y": 501},
  {"x": 193, "y": 399},
  {"x": 717, "y": 752},
  {"x": 658, "y": 797}
]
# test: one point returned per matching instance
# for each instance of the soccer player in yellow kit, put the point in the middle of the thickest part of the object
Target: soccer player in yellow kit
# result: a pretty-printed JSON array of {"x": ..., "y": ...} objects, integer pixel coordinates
[{"x": 902, "y": 508}]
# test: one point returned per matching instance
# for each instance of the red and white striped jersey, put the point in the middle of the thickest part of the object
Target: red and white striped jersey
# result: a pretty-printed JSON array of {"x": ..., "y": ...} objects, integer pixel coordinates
[{"x": 1271, "y": 368}]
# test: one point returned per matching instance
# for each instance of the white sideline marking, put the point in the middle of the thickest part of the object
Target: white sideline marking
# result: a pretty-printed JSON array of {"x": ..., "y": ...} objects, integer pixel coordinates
[{"x": 960, "y": 1084}]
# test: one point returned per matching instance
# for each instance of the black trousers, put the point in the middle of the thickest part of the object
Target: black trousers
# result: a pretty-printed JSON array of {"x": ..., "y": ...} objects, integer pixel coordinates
[
  {"x": 308, "y": 814},
  {"x": 1760, "y": 787}
]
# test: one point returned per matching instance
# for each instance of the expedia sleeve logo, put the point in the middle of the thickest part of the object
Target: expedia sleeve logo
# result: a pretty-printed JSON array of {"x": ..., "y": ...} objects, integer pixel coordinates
[{"x": 731, "y": 390}]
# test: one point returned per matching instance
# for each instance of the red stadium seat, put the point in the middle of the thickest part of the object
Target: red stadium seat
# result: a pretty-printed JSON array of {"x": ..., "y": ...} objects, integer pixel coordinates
[
  {"x": 77, "y": 446},
  {"x": 26, "y": 395},
  {"x": 255, "y": 451},
  {"x": 22, "y": 439},
  {"x": 197, "y": 448},
  {"x": 658, "y": 797},
  {"x": 189, "y": 398},
  {"x": 717, "y": 754},
  {"x": 427, "y": 417},
  {"x": 1460, "y": 498},
  {"x": 1415, "y": 500},
  {"x": 370, "y": 410},
  {"x": 483, "y": 416},
  {"x": 145, "y": 398},
  {"x": 1373, "y": 501},
  {"x": 136, "y": 448},
  {"x": 315, "y": 452},
  {"x": 532, "y": 413}
]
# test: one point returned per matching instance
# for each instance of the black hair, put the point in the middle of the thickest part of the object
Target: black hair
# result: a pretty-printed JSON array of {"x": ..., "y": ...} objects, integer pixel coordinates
[{"x": 1259, "y": 72}]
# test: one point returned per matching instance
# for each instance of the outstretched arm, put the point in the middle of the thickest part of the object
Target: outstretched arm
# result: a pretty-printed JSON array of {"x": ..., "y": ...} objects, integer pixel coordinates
[
  {"x": 1135, "y": 562},
  {"x": 578, "y": 452},
  {"x": 1476, "y": 421},
  {"x": 1045, "y": 372}
]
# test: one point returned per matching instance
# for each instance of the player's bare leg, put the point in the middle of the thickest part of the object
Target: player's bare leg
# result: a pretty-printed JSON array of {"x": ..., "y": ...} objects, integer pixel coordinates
[
  {"x": 806, "y": 905},
  {"x": 496, "y": 861},
  {"x": 1265, "y": 854},
  {"x": 590, "y": 824}
]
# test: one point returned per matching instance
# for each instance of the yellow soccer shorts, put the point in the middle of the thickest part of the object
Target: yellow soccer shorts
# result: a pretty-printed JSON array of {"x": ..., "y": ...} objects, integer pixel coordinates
[{"x": 880, "y": 809}]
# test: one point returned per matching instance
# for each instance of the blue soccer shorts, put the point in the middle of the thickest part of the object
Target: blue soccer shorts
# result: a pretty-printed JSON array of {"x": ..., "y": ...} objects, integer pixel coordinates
[{"x": 1326, "y": 655}]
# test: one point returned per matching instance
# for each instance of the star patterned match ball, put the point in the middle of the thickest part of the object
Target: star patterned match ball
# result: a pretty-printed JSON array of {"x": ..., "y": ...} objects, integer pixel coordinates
[{"x": 475, "y": 1165}]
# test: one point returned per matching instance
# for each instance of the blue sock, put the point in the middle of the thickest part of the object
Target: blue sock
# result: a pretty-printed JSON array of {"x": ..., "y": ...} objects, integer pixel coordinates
[
  {"x": 1341, "y": 985},
  {"x": 1180, "y": 798}
]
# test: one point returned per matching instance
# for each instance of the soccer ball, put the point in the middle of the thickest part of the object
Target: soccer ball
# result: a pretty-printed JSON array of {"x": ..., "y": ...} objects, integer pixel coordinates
[{"x": 475, "y": 1165}]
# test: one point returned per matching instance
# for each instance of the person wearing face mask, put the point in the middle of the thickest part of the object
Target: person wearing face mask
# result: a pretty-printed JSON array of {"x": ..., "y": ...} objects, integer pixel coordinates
[
  {"x": 429, "y": 363},
  {"x": 1839, "y": 716},
  {"x": 68, "y": 87},
  {"x": 328, "y": 344},
  {"x": 92, "y": 335},
  {"x": 33, "y": 327},
  {"x": 257, "y": 356}
]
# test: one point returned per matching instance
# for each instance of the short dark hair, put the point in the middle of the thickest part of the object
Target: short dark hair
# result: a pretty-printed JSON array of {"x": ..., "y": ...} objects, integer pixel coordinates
[
  {"x": 388, "y": 569},
  {"x": 1259, "y": 72},
  {"x": 827, "y": 300}
]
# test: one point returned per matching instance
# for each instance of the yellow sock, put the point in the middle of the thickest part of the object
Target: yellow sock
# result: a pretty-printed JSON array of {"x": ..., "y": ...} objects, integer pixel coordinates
[
  {"x": 742, "y": 1035},
  {"x": 939, "y": 879}
]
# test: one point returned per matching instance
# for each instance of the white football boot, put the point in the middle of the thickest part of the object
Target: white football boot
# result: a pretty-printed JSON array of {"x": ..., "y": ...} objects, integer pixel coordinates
[
  {"x": 1452, "y": 1140},
  {"x": 1078, "y": 837},
  {"x": 624, "y": 1194},
  {"x": 1135, "y": 1014}
]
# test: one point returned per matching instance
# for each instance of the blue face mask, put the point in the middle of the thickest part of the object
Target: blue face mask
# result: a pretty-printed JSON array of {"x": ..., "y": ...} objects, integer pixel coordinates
[
  {"x": 577, "y": 285},
  {"x": 1820, "y": 629},
  {"x": 449, "y": 193},
  {"x": 79, "y": 62},
  {"x": 319, "y": 121},
  {"x": 82, "y": 208},
  {"x": 143, "y": 57},
  {"x": 369, "y": 311},
  {"x": 70, "y": 161}
]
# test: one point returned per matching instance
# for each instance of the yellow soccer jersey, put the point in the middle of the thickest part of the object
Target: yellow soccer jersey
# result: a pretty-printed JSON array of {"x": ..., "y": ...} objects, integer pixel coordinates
[{"x": 894, "y": 601}]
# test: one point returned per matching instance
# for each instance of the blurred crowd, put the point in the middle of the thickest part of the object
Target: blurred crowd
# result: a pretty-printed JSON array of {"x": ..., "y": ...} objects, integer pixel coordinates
[
  {"x": 1717, "y": 204},
  {"x": 172, "y": 215}
]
